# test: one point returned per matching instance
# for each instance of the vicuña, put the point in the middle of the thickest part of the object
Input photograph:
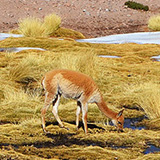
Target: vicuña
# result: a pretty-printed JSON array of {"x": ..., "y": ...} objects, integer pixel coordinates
[{"x": 77, "y": 86}]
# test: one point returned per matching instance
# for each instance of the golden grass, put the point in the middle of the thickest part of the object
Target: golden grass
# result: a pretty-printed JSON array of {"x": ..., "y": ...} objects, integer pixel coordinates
[
  {"x": 145, "y": 95},
  {"x": 86, "y": 62},
  {"x": 21, "y": 72},
  {"x": 154, "y": 23},
  {"x": 148, "y": 99},
  {"x": 18, "y": 105},
  {"x": 149, "y": 156},
  {"x": 34, "y": 27},
  {"x": 51, "y": 23},
  {"x": 130, "y": 80},
  {"x": 67, "y": 33},
  {"x": 10, "y": 153},
  {"x": 56, "y": 45}
]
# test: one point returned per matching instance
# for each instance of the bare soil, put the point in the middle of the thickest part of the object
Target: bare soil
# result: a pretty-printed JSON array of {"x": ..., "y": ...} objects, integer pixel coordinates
[{"x": 91, "y": 17}]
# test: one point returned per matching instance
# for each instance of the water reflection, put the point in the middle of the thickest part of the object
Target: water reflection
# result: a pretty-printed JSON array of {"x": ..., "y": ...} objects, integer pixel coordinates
[
  {"x": 18, "y": 49},
  {"x": 152, "y": 149},
  {"x": 108, "y": 56},
  {"x": 7, "y": 35}
]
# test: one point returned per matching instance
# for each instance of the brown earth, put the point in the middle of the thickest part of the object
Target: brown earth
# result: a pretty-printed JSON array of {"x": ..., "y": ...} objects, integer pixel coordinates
[{"x": 91, "y": 17}]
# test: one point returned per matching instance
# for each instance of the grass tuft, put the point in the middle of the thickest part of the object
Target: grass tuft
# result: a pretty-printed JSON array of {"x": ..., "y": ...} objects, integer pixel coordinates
[
  {"x": 21, "y": 72},
  {"x": 67, "y": 33},
  {"x": 19, "y": 105},
  {"x": 31, "y": 27},
  {"x": 154, "y": 23},
  {"x": 51, "y": 23},
  {"x": 146, "y": 96},
  {"x": 85, "y": 63},
  {"x": 35, "y": 27},
  {"x": 149, "y": 100}
]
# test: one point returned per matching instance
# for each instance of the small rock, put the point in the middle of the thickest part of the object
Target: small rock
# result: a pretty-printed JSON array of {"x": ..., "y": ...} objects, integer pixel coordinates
[{"x": 87, "y": 13}]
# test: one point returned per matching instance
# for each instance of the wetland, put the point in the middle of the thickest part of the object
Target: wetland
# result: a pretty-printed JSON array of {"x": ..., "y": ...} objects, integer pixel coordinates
[{"x": 130, "y": 82}]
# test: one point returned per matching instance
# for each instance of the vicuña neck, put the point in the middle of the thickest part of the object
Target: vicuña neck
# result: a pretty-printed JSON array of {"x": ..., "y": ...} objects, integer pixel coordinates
[{"x": 104, "y": 109}]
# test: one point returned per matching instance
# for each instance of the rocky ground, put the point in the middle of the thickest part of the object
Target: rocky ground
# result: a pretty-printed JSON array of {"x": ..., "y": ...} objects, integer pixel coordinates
[{"x": 91, "y": 17}]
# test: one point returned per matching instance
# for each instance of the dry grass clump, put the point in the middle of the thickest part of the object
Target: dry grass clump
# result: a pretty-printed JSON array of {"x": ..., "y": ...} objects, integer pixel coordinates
[
  {"x": 154, "y": 23},
  {"x": 31, "y": 68},
  {"x": 85, "y": 63},
  {"x": 148, "y": 99},
  {"x": 31, "y": 27},
  {"x": 31, "y": 123},
  {"x": 67, "y": 33},
  {"x": 19, "y": 105},
  {"x": 146, "y": 96},
  {"x": 21, "y": 72},
  {"x": 51, "y": 23},
  {"x": 34, "y": 27}
]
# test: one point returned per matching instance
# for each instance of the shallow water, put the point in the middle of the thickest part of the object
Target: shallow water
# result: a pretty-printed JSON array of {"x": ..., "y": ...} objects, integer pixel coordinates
[
  {"x": 7, "y": 35},
  {"x": 18, "y": 49},
  {"x": 152, "y": 149},
  {"x": 139, "y": 38},
  {"x": 132, "y": 123},
  {"x": 156, "y": 58},
  {"x": 108, "y": 56}
]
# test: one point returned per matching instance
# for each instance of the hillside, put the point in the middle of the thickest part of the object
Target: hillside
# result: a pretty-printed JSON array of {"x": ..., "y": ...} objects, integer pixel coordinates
[{"x": 92, "y": 18}]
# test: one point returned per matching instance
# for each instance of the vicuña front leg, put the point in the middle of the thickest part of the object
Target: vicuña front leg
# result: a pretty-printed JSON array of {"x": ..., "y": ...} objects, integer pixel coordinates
[
  {"x": 55, "y": 109},
  {"x": 78, "y": 113}
]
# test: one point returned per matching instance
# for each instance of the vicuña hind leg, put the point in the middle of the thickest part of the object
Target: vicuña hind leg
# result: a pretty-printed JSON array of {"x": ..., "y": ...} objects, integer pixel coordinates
[
  {"x": 84, "y": 116},
  {"x": 48, "y": 100}
]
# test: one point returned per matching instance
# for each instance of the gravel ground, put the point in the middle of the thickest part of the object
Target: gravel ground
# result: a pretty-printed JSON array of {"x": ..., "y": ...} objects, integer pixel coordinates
[{"x": 93, "y": 18}]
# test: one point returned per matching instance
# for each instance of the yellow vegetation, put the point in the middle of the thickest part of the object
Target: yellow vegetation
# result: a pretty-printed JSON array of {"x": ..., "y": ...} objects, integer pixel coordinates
[
  {"x": 154, "y": 23},
  {"x": 49, "y": 27},
  {"x": 34, "y": 27},
  {"x": 51, "y": 23},
  {"x": 132, "y": 80}
]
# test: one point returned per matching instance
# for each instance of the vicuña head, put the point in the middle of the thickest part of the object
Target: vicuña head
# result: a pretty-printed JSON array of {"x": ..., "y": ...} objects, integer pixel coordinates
[{"x": 77, "y": 86}]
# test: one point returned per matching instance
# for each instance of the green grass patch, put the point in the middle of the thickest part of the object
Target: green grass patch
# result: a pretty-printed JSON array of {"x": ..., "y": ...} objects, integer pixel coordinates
[{"x": 135, "y": 5}]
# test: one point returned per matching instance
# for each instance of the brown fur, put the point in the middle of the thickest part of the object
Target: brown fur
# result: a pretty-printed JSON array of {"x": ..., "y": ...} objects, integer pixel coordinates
[{"x": 78, "y": 86}]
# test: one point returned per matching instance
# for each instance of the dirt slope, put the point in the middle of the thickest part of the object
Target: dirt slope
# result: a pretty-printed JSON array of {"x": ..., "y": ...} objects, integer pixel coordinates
[{"x": 92, "y": 17}]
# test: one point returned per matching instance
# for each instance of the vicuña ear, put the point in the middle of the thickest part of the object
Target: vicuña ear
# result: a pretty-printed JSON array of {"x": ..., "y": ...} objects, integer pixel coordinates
[{"x": 120, "y": 113}]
